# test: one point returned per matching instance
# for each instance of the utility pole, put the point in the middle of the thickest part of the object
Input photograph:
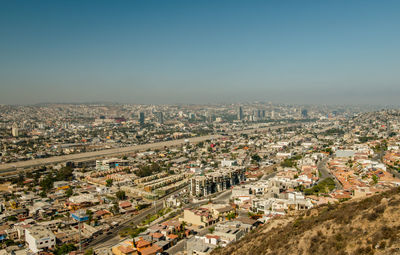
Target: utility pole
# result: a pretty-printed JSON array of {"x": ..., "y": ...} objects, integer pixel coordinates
[
  {"x": 80, "y": 236},
  {"x": 80, "y": 216}
]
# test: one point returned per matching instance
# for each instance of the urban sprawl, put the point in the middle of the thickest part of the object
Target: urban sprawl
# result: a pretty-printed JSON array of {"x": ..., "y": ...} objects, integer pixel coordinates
[{"x": 180, "y": 179}]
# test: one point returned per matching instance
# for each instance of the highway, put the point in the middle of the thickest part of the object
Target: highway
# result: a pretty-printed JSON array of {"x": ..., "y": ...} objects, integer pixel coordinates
[
  {"x": 99, "y": 154},
  {"x": 16, "y": 166}
]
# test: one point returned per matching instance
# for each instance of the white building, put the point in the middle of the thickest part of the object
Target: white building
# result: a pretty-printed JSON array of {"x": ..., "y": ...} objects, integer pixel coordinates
[
  {"x": 228, "y": 163},
  {"x": 39, "y": 238},
  {"x": 15, "y": 130}
]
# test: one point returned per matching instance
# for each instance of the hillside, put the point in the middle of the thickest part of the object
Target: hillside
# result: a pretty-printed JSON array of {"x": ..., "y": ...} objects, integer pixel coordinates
[{"x": 367, "y": 226}]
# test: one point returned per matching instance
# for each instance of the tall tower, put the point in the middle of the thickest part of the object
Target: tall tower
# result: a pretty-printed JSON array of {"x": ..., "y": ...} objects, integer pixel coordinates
[
  {"x": 304, "y": 113},
  {"x": 160, "y": 117},
  {"x": 240, "y": 113},
  {"x": 141, "y": 118}
]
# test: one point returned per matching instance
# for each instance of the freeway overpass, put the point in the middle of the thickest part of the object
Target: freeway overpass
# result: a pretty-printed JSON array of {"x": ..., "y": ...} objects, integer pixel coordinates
[{"x": 16, "y": 166}]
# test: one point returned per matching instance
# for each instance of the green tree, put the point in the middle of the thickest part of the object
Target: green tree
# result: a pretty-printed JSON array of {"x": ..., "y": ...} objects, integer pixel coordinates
[
  {"x": 89, "y": 251},
  {"x": 64, "y": 249},
  {"x": 256, "y": 157},
  {"x": 69, "y": 192},
  {"x": 109, "y": 182},
  {"x": 120, "y": 194},
  {"x": 375, "y": 179},
  {"x": 115, "y": 208},
  {"x": 47, "y": 183}
]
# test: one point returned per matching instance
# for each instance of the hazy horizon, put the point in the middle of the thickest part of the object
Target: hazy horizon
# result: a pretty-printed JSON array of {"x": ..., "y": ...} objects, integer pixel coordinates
[{"x": 183, "y": 52}]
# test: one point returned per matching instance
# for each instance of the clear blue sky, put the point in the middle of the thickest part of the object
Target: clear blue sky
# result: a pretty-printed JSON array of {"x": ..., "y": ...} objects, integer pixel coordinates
[{"x": 200, "y": 51}]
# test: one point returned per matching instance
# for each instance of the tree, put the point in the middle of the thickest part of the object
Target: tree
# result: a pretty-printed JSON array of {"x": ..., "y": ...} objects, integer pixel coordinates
[
  {"x": 115, "y": 209},
  {"x": 256, "y": 157},
  {"x": 231, "y": 215},
  {"x": 89, "y": 251},
  {"x": 183, "y": 225},
  {"x": 109, "y": 182},
  {"x": 47, "y": 183},
  {"x": 375, "y": 179},
  {"x": 65, "y": 174},
  {"x": 69, "y": 192},
  {"x": 12, "y": 218},
  {"x": 64, "y": 249},
  {"x": 120, "y": 194}
]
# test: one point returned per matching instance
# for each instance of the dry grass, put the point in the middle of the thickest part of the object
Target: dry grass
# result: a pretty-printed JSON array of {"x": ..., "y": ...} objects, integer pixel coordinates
[{"x": 368, "y": 226}]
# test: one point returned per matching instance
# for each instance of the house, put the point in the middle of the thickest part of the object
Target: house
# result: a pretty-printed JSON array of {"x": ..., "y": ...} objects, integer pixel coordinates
[
  {"x": 126, "y": 207},
  {"x": 172, "y": 225},
  {"x": 157, "y": 237},
  {"x": 212, "y": 239},
  {"x": 39, "y": 238},
  {"x": 152, "y": 250},
  {"x": 124, "y": 248},
  {"x": 102, "y": 214},
  {"x": 199, "y": 217},
  {"x": 164, "y": 245},
  {"x": 197, "y": 245},
  {"x": 172, "y": 238},
  {"x": 142, "y": 244}
]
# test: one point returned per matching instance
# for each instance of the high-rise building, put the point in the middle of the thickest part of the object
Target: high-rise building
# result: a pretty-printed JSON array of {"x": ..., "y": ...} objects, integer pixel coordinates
[
  {"x": 263, "y": 114},
  {"x": 218, "y": 181},
  {"x": 15, "y": 130},
  {"x": 304, "y": 113},
  {"x": 240, "y": 113},
  {"x": 160, "y": 117},
  {"x": 141, "y": 118}
]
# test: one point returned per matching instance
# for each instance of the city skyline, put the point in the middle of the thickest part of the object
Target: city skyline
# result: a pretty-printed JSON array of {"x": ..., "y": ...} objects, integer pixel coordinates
[{"x": 177, "y": 52}]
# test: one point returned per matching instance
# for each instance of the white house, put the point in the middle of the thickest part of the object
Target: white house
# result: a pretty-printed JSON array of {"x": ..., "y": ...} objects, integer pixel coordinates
[{"x": 39, "y": 238}]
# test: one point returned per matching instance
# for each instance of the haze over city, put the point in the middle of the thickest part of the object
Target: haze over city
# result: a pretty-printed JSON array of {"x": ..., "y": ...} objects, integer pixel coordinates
[
  {"x": 167, "y": 52},
  {"x": 208, "y": 127}
]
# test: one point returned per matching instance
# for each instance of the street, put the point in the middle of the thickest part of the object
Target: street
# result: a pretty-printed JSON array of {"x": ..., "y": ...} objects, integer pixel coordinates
[
  {"x": 113, "y": 238},
  {"x": 325, "y": 173}
]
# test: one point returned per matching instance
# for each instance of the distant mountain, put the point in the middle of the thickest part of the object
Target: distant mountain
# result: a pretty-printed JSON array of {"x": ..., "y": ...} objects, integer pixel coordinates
[{"x": 364, "y": 226}]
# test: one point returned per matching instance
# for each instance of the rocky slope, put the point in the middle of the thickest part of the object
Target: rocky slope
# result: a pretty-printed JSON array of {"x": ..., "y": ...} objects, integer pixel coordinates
[{"x": 365, "y": 226}]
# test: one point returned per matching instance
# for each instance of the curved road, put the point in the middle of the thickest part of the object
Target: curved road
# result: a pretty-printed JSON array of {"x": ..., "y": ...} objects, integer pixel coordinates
[{"x": 325, "y": 173}]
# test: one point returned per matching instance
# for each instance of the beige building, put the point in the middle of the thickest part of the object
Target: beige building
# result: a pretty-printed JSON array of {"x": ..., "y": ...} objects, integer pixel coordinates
[{"x": 199, "y": 217}]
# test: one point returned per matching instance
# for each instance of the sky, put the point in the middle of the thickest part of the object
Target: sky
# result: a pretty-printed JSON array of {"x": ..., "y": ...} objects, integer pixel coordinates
[{"x": 168, "y": 52}]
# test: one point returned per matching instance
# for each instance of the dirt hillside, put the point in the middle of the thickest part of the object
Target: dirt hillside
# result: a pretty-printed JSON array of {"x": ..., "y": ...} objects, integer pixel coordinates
[{"x": 367, "y": 226}]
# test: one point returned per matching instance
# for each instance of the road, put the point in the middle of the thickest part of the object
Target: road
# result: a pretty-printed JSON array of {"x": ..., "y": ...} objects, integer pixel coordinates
[
  {"x": 113, "y": 238},
  {"x": 102, "y": 153},
  {"x": 223, "y": 197},
  {"x": 16, "y": 166},
  {"x": 268, "y": 176},
  {"x": 325, "y": 173}
]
